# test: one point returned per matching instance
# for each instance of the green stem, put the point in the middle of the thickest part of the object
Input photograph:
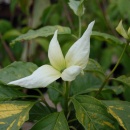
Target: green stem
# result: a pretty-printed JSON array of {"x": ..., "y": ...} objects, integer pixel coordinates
[
  {"x": 74, "y": 36},
  {"x": 27, "y": 96},
  {"x": 72, "y": 127},
  {"x": 57, "y": 90},
  {"x": 66, "y": 97},
  {"x": 72, "y": 120},
  {"x": 7, "y": 49},
  {"x": 79, "y": 26},
  {"x": 43, "y": 99},
  {"x": 107, "y": 78},
  {"x": 41, "y": 94}
]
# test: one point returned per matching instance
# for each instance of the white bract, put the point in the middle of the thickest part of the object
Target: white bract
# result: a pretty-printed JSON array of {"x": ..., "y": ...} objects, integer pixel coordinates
[{"x": 66, "y": 68}]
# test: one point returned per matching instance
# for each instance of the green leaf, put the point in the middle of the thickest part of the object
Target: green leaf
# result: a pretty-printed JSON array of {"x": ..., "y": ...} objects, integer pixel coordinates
[
  {"x": 13, "y": 114},
  {"x": 107, "y": 90},
  {"x": 123, "y": 79},
  {"x": 38, "y": 9},
  {"x": 55, "y": 91},
  {"x": 94, "y": 66},
  {"x": 42, "y": 32},
  {"x": 120, "y": 110},
  {"x": 8, "y": 93},
  {"x": 126, "y": 94},
  {"x": 120, "y": 29},
  {"x": 54, "y": 121},
  {"x": 11, "y": 34},
  {"x": 92, "y": 114},
  {"x": 85, "y": 84},
  {"x": 116, "y": 89},
  {"x": 106, "y": 37},
  {"x": 16, "y": 71},
  {"x": 38, "y": 111},
  {"x": 5, "y": 26},
  {"x": 77, "y": 7}
]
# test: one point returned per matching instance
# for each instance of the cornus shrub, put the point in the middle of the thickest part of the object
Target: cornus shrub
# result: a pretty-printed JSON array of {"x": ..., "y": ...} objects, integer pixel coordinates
[{"x": 79, "y": 94}]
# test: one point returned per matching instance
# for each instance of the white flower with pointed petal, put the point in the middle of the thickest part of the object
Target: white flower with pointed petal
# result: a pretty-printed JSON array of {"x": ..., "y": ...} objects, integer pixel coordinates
[{"x": 67, "y": 68}]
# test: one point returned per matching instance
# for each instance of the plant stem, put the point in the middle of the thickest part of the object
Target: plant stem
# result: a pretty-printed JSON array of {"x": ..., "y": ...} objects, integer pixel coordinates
[
  {"x": 74, "y": 36},
  {"x": 43, "y": 99},
  {"x": 79, "y": 26},
  {"x": 7, "y": 49},
  {"x": 72, "y": 127},
  {"x": 70, "y": 121},
  {"x": 41, "y": 94},
  {"x": 27, "y": 96},
  {"x": 57, "y": 90},
  {"x": 107, "y": 78},
  {"x": 66, "y": 96}
]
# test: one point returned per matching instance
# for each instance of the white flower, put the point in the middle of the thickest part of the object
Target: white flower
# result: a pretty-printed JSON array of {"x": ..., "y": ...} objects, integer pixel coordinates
[{"x": 67, "y": 68}]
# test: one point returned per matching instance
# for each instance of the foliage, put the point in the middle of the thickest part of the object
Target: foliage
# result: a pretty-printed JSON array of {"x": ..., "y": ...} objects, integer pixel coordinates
[{"x": 98, "y": 99}]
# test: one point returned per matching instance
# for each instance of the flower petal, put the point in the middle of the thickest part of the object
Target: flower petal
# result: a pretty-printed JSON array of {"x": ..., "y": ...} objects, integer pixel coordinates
[
  {"x": 78, "y": 54},
  {"x": 55, "y": 55},
  {"x": 41, "y": 77},
  {"x": 70, "y": 73}
]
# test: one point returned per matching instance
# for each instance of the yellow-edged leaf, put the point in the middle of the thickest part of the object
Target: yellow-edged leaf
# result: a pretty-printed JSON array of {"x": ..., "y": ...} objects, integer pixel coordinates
[
  {"x": 120, "y": 110},
  {"x": 13, "y": 114}
]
